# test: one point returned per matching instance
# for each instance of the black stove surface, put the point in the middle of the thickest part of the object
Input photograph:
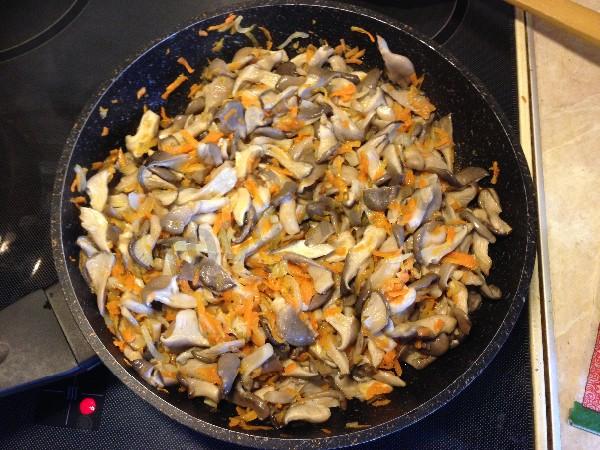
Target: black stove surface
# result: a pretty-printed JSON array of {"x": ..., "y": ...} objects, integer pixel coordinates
[{"x": 53, "y": 56}]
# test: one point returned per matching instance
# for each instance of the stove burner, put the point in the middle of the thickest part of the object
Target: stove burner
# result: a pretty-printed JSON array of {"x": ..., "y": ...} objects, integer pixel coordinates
[
  {"x": 27, "y": 24},
  {"x": 433, "y": 18}
]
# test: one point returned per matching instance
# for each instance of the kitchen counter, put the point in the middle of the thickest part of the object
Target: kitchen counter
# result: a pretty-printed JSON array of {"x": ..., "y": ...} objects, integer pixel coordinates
[{"x": 568, "y": 83}]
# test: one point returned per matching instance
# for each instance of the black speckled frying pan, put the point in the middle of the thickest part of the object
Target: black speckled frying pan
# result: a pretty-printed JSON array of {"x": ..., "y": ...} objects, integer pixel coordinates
[{"x": 481, "y": 133}]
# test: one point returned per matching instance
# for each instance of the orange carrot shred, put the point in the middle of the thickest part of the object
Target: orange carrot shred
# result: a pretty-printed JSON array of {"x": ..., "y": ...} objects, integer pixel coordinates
[
  {"x": 184, "y": 62},
  {"x": 105, "y": 131},
  {"x": 363, "y": 31},
  {"x": 174, "y": 85},
  {"x": 141, "y": 92},
  {"x": 495, "y": 172}
]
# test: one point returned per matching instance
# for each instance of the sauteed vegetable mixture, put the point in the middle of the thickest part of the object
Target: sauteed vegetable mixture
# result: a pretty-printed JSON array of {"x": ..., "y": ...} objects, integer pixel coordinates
[{"x": 291, "y": 239}]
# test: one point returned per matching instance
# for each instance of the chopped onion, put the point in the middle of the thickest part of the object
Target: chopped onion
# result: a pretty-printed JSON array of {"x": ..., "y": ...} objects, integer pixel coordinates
[{"x": 291, "y": 37}]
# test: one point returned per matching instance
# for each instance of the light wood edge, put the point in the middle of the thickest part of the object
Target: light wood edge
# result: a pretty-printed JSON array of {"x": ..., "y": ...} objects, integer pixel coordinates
[
  {"x": 535, "y": 323},
  {"x": 541, "y": 337}
]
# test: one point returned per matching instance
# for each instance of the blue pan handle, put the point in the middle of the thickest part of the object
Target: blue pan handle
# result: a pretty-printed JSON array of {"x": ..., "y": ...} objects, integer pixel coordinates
[{"x": 40, "y": 342}]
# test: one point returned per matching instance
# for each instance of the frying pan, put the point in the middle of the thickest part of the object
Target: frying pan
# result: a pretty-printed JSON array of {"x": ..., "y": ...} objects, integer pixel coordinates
[{"x": 481, "y": 133}]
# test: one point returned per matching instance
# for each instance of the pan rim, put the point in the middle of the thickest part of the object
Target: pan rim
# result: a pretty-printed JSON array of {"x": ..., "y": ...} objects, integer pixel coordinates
[{"x": 359, "y": 436}]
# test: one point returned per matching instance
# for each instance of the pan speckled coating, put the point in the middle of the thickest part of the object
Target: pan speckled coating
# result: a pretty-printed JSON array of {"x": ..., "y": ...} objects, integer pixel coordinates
[{"x": 482, "y": 135}]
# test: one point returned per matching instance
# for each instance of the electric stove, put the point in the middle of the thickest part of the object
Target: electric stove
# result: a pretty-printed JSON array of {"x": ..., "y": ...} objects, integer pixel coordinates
[{"x": 53, "y": 56}]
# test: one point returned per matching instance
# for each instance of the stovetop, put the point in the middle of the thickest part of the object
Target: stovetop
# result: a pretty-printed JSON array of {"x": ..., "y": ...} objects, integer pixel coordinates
[{"x": 53, "y": 56}]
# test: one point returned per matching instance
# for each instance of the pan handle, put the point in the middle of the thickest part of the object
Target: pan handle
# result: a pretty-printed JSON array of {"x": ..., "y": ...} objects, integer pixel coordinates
[{"x": 40, "y": 342}]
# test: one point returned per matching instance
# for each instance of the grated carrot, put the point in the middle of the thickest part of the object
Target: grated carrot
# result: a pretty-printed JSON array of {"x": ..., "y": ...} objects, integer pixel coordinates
[
  {"x": 345, "y": 93},
  {"x": 249, "y": 100},
  {"x": 440, "y": 138},
  {"x": 173, "y": 86},
  {"x": 377, "y": 388},
  {"x": 380, "y": 220},
  {"x": 495, "y": 172},
  {"x": 363, "y": 167},
  {"x": 230, "y": 18},
  {"x": 165, "y": 119},
  {"x": 74, "y": 185},
  {"x": 104, "y": 131},
  {"x": 289, "y": 369},
  {"x": 223, "y": 219},
  {"x": 363, "y": 31},
  {"x": 462, "y": 259},
  {"x": 402, "y": 114},
  {"x": 419, "y": 103},
  {"x": 120, "y": 344},
  {"x": 212, "y": 137},
  {"x": 141, "y": 92},
  {"x": 409, "y": 178},
  {"x": 78, "y": 200},
  {"x": 348, "y": 147},
  {"x": 202, "y": 33},
  {"x": 390, "y": 254},
  {"x": 184, "y": 62},
  {"x": 209, "y": 373},
  {"x": 381, "y": 402}
]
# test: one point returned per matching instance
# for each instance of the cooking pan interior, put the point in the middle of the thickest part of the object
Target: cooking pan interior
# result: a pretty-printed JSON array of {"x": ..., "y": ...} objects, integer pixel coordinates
[{"x": 480, "y": 139}]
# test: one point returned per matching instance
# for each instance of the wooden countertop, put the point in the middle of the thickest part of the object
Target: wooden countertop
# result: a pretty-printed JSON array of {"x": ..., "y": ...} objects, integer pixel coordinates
[{"x": 568, "y": 82}]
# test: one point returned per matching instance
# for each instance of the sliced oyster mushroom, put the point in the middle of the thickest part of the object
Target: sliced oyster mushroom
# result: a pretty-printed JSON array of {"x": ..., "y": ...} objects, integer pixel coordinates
[
  {"x": 185, "y": 332},
  {"x": 209, "y": 154},
  {"x": 470, "y": 175},
  {"x": 246, "y": 399},
  {"x": 489, "y": 201},
  {"x": 256, "y": 359},
  {"x": 310, "y": 411},
  {"x": 319, "y": 300},
  {"x": 148, "y": 372},
  {"x": 319, "y": 233},
  {"x": 424, "y": 282},
  {"x": 223, "y": 180},
  {"x": 480, "y": 251},
  {"x": 211, "y": 354},
  {"x": 429, "y": 327},
  {"x": 87, "y": 246},
  {"x": 245, "y": 159},
  {"x": 250, "y": 219},
  {"x": 216, "y": 92},
  {"x": 347, "y": 327},
  {"x": 161, "y": 286},
  {"x": 398, "y": 68},
  {"x": 291, "y": 327},
  {"x": 227, "y": 369},
  {"x": 298, "y": 169},
  {"x": 374, "y": 316},
  {"x": 436, "y": 347},
  {"x": 431, "y": 246},
  {"x": 254, "y": 74},
  {"x": 97, "y": 189},
  {"x": 231, "y": 118},
  {"x": 98, "y": 268},
  {"x": 96, "y": 225},
  {"x": 214, "y": 277},
  {"x": 287, "y": 217},
  {"x": 461, "y": 199},
  {"x": 328, "y": 144},
  {"x": 378, "y": 199},
  {"x": 478, "y": 225},
  {"x": 322, "y": 278},
  {"x": 372, "y": 238},
  {"x": 251, "y": 246},
  {"x": 200, "y": 388},
  {"x": 300, "y": 248},
  {"x": 141, "y": 142}
]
